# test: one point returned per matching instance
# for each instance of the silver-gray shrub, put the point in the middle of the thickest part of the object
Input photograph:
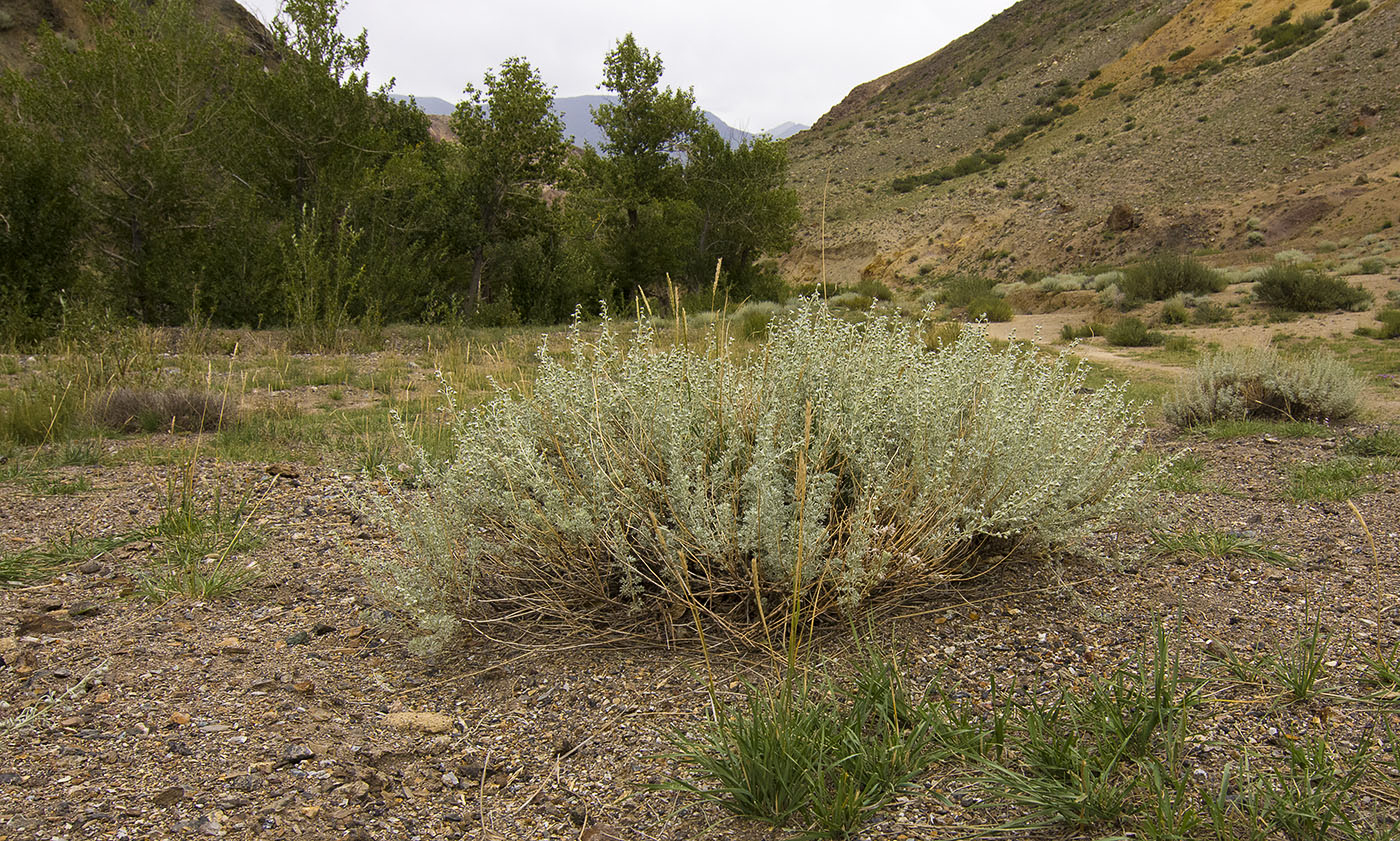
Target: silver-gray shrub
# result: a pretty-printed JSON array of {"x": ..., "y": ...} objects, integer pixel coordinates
[
  {"x": 1260, "y": 382},
  {"x": 640, "y": 479}
]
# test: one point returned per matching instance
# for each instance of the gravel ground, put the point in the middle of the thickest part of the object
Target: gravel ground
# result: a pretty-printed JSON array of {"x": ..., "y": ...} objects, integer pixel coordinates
[{"x": 295, "y": 709}]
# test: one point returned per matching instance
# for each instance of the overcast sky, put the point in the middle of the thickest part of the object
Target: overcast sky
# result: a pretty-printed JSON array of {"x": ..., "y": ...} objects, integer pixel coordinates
[{"x": 755, "y": 63}]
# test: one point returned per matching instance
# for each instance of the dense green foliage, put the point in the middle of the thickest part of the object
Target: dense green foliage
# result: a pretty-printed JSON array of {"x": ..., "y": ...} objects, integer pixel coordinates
[
  {"x": 1166, "y": 275},
  {"x": 1289, "y": 286},
  {"x": 167, "y": 173}
]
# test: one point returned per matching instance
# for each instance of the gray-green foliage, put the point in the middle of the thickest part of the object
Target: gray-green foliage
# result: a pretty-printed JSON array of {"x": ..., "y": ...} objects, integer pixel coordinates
[
  {"x": 1249, "y": 382},
  {"x": 836, "y": 461}
]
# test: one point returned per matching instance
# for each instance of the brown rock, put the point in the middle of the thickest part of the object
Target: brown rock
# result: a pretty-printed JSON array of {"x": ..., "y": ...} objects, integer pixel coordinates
[
  {"x": 42, "y": 623},
  {"x": 1123, "y": 218},
  {"x": 169, "y": 796},
  {"x": 232, "y": 645}
]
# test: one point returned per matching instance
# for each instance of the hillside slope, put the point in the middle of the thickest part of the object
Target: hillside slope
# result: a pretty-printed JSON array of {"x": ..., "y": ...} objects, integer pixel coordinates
[
  {"x": 1210, "y": 124},
  {"x": 21, "y": 20}
]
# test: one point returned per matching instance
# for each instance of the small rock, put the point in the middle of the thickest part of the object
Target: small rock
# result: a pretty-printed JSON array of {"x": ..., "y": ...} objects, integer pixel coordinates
[
  {"x": 601, "y": 832},
  {"x": 358, "y": 790},
  {"x": 294, "y": 754},
  {"x": 169, "y": 796},
  {"x": 450, "y": 780},
  {"x": 299, "y": 638},
  {"x": 178, "y": 748},
  {"x": 232, "y": 645},
  {"x": 321, "y": 629},
  {"x": 283, "y": 471},
  {"x": 305, "y": 687},
  {"x": 179, "y": 719},
  {"x": 42, "y": 623},
  {"x": 425, "y": 722},
  {"x": 1235, "y": 575},
  {"x": 311, "y": 811},
  {"x": 355, "y": 632},
  {"x": 90, "y": 568}
]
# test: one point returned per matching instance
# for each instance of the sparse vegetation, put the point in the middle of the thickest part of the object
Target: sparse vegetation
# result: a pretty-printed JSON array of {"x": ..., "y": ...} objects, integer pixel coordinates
[
  {"x": 976, "y": 162},
  {"x": 1247, "y": 383}
]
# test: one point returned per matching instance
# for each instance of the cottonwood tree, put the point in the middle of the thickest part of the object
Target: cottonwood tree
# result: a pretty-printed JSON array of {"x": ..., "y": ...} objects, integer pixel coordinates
[
  {"x": 640, "y": 170},
  {"x": 513, "y": 145},
  {"x": 744, "y": 206}
]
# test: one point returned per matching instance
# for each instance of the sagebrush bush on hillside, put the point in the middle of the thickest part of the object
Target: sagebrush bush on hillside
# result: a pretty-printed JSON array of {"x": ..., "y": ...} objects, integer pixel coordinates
[
  {"x": 1301, "y": 288},
  {"x": 1166, "y": 275},
  {"x": 1248, "y": 382},
  {"x": 639, "y": 484}
]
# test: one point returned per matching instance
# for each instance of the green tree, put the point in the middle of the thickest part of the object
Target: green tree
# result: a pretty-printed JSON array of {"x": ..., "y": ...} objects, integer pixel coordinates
[
  {"x": 744, "y": 207},
  {"x": 647, "y": 129},
  {"x": 41, "y": 223},
  {"x": 145, "y": 114},
  {"x": 514, "y": 148}
]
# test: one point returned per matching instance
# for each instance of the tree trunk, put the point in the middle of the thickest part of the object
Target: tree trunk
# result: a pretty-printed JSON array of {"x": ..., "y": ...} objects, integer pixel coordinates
[{"x": 476, "y": 292}]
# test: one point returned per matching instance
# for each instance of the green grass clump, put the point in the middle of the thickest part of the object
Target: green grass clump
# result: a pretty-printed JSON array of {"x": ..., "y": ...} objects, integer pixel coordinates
[
  {"x": 1339, "y": 479},
  {"x": 1216, "y": 546},
  {"x": 40, "y": 413},
  {"x": 962, "y": 290},
  {"x": 839, "y": 459},
  {"x": 751, "y": 320},
  {"x": 821, "y": 758},
  {"x": 1084, "y": 331},
  {"x": 199, "y": 541},
  {"x": 1385, "y": 442},
  {"x": 1389, "y": 326},
  {"x": 52, "y": 557},
  {"x": 1132, "y": 332},
  {"x": 990, "y": 308},
  {"x": 1166, "y": 275},
  {"x": 1297, "y": 288},
  {"x": 1250, "y": 383}
]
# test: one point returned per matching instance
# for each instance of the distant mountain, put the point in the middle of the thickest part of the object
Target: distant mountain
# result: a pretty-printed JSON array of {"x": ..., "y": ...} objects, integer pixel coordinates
[
  {"x": 578, "y": 122},
  {"x": 430, "y": 105},
  {"x": 785, "y": 130}
]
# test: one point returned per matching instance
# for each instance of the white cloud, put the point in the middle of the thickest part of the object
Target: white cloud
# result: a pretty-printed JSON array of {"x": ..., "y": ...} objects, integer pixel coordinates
[{"x": 755, "y": 64}]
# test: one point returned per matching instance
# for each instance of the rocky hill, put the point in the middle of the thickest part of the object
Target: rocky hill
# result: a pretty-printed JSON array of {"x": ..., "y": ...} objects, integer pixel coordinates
[
  {"x": 21, "y": 20},
  {"x": 1064, "y": 133}
]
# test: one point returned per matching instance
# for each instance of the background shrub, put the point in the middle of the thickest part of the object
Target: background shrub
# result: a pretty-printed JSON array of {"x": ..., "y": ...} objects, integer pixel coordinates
[
  {"x": 638, "y": 484},
  {"x": 1166, "y": 275},
  {"x": 961, "y": 290},
  {"x": 989, "y": 307},
  {"x": 1390, "y": 324},
  {"x": 1307, "y": 289},
  {"x": 1131, "y": 332},
  {"x": 154, "y": 410},
  {"x": 1244, "y": 383}
]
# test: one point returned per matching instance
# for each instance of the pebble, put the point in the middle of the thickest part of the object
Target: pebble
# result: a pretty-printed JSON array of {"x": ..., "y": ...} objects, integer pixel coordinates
[
  {"x": 169, "y": 796},
  {"x": 294, "y": 754},
  {"x": 299, "y": 638}
]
